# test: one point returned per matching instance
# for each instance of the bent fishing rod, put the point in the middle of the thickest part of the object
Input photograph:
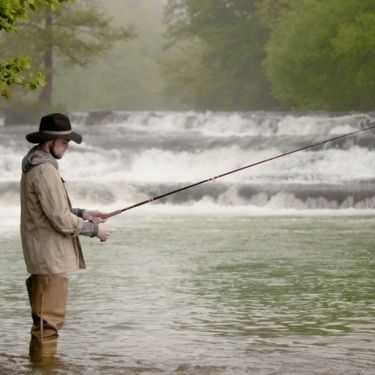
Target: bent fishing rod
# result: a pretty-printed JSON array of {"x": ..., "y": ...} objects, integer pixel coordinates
[{"x": 234, "y": 171}]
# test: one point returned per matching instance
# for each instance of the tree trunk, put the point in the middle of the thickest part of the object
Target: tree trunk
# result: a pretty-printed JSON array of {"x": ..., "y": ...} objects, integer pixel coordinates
[{"x": 46, "y": 92}]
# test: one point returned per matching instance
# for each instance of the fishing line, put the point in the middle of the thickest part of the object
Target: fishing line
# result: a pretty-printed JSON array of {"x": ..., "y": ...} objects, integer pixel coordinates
[{"x": 234, "y": 171}]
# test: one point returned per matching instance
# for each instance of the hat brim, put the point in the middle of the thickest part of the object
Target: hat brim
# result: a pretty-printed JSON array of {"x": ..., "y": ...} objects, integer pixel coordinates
[{"x": 39, "y": 137}]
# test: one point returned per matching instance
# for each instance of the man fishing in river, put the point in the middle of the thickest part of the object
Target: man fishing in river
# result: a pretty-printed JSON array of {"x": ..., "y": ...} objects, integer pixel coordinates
[
  {"x": 50, "y": 227},
  {"x": 50, "y": 230}
]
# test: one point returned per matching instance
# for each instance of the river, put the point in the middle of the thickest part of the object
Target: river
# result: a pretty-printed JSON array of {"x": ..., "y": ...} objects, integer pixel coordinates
[{"x": 266, "y": 271}]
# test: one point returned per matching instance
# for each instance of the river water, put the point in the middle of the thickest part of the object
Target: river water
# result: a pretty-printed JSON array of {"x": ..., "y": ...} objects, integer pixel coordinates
[{"x": 270, "y": 270}]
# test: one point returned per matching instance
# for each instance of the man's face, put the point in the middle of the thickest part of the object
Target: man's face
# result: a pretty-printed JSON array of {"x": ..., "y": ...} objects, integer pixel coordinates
[{"x": 58, "y": 146}]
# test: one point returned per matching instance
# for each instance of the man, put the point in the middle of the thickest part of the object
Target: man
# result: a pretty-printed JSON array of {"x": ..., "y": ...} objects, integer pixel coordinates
[{"x": 49, "y": 230}]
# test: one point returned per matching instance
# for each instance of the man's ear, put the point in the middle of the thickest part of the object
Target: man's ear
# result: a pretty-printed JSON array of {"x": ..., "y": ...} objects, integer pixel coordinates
[{"x": 46, "y": 144}]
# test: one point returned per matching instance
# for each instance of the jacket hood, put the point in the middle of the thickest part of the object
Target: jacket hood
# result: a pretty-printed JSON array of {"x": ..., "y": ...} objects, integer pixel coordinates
[{"x": 37, "y": 155}]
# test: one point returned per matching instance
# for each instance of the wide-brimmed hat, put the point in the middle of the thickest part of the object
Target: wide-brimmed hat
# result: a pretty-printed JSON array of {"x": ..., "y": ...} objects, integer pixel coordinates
[{"x": 54, "y": 126}]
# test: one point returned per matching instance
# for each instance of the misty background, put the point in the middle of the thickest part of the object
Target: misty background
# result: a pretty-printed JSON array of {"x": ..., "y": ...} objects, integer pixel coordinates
[
  {"x": 129, "y": 77},
  {"x": 181, "y": 55}
]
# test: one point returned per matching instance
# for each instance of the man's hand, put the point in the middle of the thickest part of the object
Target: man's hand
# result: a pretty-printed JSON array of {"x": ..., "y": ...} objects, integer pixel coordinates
[
  {"x": 104, "y": 232},
  {"x": 95, "y": 216}
]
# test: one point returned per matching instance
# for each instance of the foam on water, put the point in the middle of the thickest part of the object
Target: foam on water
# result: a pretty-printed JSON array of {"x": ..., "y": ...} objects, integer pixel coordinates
[{"x": 133, "y": 156}]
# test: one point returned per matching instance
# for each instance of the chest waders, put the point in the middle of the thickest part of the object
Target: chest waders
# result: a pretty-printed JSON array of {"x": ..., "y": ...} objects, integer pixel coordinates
[{"x": 48, "y": 297}]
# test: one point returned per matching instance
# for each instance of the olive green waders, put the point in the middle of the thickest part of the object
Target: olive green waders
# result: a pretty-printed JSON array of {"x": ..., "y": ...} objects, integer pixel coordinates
[{"x": 48, "y": 297}]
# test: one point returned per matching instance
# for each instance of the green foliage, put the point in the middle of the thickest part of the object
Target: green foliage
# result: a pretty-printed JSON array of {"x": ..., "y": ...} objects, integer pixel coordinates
[
  {"x": 76, "y": 34},
  {"x": 321, "y": 55},
  {"x": 10, "y": 69},
  {"x": 269, "y": 11},
  {"x": 13, "y": 10},
  {"x": 221, "y": 46},
  {"x": 10, "y": 73}
]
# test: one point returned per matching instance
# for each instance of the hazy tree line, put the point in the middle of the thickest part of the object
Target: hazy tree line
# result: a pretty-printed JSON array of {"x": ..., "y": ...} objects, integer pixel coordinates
[
  {"x": 248, "y": 54},
  {"x": 76, "y": 34},
  {"x": 231, "y": 55},
  {"x": 221, "y": 46}
]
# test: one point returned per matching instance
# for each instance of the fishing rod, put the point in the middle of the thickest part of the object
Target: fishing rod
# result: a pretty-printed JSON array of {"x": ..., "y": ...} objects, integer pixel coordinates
[{"x": 234, "y": 171}]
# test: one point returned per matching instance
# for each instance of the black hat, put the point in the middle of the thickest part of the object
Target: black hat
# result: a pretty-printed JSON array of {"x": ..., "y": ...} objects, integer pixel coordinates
[{"x": 52, "y": 127}]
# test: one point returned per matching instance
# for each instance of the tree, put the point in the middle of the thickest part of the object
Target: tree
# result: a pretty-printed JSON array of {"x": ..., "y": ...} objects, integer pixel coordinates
[
  {"x": 220, "y": 49},
  {"x": 11, "y": 68},
  {"x": 76, "y": 34},
  {"x": 128, "y": 78},
  {"x": 321, "y": 55},
  {"x": 269, "y": 11}
]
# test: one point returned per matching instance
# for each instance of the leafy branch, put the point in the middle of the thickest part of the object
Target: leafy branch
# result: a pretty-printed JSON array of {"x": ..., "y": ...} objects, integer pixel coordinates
[
  {"x": 10, "y": 73},
  {"x": 10, "y": 69}
]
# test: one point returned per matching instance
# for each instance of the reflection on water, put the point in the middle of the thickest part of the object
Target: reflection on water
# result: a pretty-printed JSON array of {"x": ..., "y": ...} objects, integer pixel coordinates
[{"x": 197, "y": 295}]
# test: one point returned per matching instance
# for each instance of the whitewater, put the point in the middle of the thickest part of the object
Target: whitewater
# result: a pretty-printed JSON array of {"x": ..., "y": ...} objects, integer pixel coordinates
[{"x": 131, "y": 156}]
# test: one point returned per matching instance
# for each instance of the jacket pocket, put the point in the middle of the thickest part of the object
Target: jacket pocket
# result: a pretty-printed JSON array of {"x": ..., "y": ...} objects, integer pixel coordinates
[{"x": 63, "y": 249}]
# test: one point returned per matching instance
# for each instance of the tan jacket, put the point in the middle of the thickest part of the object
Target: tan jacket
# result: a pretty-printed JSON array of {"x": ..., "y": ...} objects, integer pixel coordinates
[{"x": 49, "y": 230}]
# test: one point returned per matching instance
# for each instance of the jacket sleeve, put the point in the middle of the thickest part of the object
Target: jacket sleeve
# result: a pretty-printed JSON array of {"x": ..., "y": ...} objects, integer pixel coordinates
[
  {"x": 78, "y": 212},
  {"x": 88, "y": 229},
  {"x": 54, "y": 200}
]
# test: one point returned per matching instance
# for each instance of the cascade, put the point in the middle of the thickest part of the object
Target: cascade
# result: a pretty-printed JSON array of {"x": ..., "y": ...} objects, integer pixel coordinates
[{"x": 127, "y": 157}]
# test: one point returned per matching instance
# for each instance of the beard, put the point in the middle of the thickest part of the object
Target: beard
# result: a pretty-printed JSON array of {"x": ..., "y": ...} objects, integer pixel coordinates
[{"x": 53, "y": 152}]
